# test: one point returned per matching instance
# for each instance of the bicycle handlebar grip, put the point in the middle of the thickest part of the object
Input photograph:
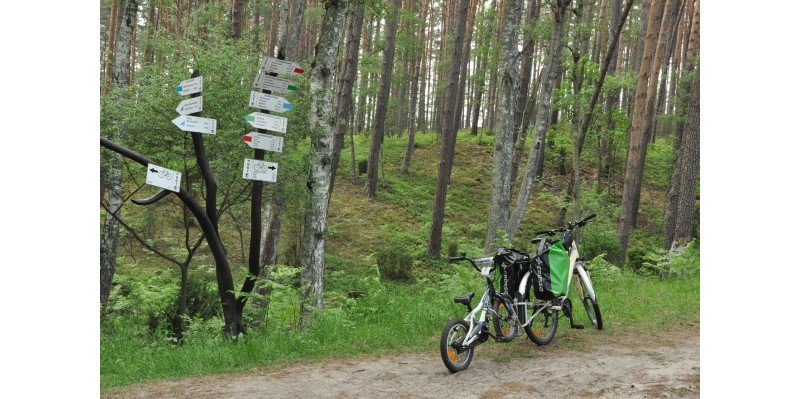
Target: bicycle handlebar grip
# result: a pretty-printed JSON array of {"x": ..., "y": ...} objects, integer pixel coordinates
[
  {"x": 548, "y": 232},
  {"x": 456, "y": 259},
  {"x": 590, "y": 217}
]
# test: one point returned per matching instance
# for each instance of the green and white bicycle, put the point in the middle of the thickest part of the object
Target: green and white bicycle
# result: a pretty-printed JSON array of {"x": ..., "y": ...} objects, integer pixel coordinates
[{"x": 583, "y": 282}]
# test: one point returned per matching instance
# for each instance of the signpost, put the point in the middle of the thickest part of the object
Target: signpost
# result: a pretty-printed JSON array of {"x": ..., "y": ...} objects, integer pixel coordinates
[
  {"x": 190, "y": 105},
  {"x": 164, "y": 178},
  {"x": 273, "y": 84},
  {"x": 268, "y": 102},
  {"x": 190, "y": 86},
  {"x": 268, "y": 82},
  {"x": 264, "y": 141},
  {"x": 274, "y": 65},
  {"x": 196, "y": 124},
  {"x": 260, "y": 170},
  {"x": 261, "y": 120}
]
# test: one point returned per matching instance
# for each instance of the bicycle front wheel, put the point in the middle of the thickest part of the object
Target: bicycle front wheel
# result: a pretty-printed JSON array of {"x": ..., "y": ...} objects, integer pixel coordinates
[
  {"x": 543, "y": 322},
  {"x": 504, "y": 326},
  {"x": 589, "y": 297},
  {"x": 452, "y": 335}
]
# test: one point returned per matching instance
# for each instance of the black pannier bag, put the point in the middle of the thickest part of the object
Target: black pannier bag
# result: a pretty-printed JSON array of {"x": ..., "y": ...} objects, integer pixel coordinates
[{"x": 512, "y": 264}]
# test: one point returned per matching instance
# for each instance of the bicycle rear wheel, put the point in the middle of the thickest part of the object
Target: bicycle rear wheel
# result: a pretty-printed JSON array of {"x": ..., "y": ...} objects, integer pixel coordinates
[
  {"x": 505, "y": 328},
  {"x": 454, "y": 333},
  {"x": 543, "y": 323},
  {"x": 586, "y": 290}
]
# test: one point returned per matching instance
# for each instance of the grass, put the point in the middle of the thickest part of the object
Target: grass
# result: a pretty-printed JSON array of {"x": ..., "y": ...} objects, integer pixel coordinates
[{"x": 386, "y": 317}]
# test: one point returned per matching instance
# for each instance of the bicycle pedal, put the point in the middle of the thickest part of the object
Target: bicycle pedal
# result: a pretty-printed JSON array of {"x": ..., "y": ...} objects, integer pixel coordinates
[{"x": 578, "y": 326}]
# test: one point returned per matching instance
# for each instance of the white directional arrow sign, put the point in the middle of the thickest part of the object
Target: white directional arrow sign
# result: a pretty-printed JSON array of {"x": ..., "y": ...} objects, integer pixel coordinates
[
  {"x": 269, "y": 102},
  {"x": 163, "y": 178},
  {"x": 196, "y": 124},
  {"x": 274, "y": 65},
  {"x": 190, "y": 106},
  {"x": 260, "y": 170},
  {"x": 266, "y": 121},
  {"x": 190, "y": 86},
  {"x": 264, "y": 141},
  {"x": 271, "y": 83}
]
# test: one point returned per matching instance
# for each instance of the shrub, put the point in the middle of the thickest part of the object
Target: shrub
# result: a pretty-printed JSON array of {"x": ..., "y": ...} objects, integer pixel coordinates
[
  {"x": 596, "y": 242},
  {"x": 664, "y": 263},
  {"x": 395, "y": 263}
]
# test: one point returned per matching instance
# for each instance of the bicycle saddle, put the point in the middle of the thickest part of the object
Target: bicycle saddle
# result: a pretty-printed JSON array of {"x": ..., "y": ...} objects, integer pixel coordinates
[{"x": 465, "y": 300}]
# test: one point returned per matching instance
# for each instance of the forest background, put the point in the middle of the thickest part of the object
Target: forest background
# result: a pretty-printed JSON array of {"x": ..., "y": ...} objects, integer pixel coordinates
[{"x": 743, "y": 176}]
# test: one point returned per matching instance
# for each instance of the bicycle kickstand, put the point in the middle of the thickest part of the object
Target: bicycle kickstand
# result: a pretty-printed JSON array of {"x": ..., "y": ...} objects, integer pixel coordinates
[{"x": 568, "y": 311}]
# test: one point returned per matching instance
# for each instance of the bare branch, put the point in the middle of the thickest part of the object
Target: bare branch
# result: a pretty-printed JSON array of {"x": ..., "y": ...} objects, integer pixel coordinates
[{"x": 152, "y": 200}]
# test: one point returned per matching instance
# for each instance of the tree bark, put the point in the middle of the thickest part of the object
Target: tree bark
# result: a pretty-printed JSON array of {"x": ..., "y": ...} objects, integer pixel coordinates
[
  {"x": 345, "y": 95},
  {"x": 683, "y": 163},
  {"x": 544, "y": 101},
  {"x": 640, "y": 123},
  {"x": 378, "y": 130},
  {"x": 236, "y": 18},
  {"x": 125, "y": 21},
  {"x": 416, "y": 87},
  {"x": 462, "y": 86},
  {"x": 506, "y": 122},
  {"x": 689, "y": 169},
  {"x": 321, "y": 122},
  {"x": 295, "y": 26},
  {"x": 448, "y": 135}
]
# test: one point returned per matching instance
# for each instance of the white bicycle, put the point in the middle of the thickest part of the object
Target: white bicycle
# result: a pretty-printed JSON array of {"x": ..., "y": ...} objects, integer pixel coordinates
[{"x": 583, "y": 283}]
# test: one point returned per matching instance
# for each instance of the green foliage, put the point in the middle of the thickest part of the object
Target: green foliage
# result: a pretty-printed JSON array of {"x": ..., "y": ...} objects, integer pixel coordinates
[
  {"x": 395, "y": 263},
  {"x": 659, "y": 162},
  {"x": 147, "y": 305},
  {"x": 603, "y": 272},
  {"x": 664, "y": 263}
]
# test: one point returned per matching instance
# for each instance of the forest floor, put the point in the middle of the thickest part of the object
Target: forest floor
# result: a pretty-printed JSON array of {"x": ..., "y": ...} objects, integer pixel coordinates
[{"x": 579, "y": 363}]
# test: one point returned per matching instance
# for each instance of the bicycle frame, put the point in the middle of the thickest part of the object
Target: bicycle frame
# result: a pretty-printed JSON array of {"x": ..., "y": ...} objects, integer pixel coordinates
[
  {"x": 475, "y": 322},
  {"x": 521, "y": 308},
  {"x": 573, "y": 260}
]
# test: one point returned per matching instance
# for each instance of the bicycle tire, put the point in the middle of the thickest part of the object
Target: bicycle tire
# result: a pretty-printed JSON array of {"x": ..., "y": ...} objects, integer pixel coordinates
[
  {"x": 505, "y": 328},
  {"x": 591, "y": 305},
  {"x": 542, "y": 329},
  {"x": 454, "y": 331}
]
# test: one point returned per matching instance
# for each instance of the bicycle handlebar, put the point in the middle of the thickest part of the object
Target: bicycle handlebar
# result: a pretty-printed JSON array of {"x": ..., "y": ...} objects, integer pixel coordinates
[
  {"x": 463, "y": 257},
  {"x": 570, "y": 226}
]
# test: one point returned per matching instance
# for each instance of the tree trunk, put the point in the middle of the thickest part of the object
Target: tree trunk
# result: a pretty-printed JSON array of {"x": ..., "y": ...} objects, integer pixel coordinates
[
  {"x": 366, "y": 47},
  {"x": 125, "y": 21},
  {"x": 689, "y": 168},
  {"x": 640, "y": 123},
  {"x": 448, "y": 134},
  {"x": 666, "y": 37},
  {"x": 506, "y": 122},
  {"x": 643, "y": 27},
  {"x": 345, "y": 96},
  {"x": 462, "y": 86},
  {"x": 321, "y": 122},
  {"x": 544, "y": 101},
  {"x": 236, "y": 18},
  {"x": 419, "y": 53},
  {"x": 295, "y": 26},
  {"x": 378, "y": 130},
  {"x": 684, "y": 164}
]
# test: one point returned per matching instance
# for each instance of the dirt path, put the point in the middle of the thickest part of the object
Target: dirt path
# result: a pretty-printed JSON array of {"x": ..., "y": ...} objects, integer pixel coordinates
[{"x": 587, "y": 364}]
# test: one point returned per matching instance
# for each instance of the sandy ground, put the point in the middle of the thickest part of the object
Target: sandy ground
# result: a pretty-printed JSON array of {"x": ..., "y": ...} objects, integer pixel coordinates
[{"x": 578, "y": 364}]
